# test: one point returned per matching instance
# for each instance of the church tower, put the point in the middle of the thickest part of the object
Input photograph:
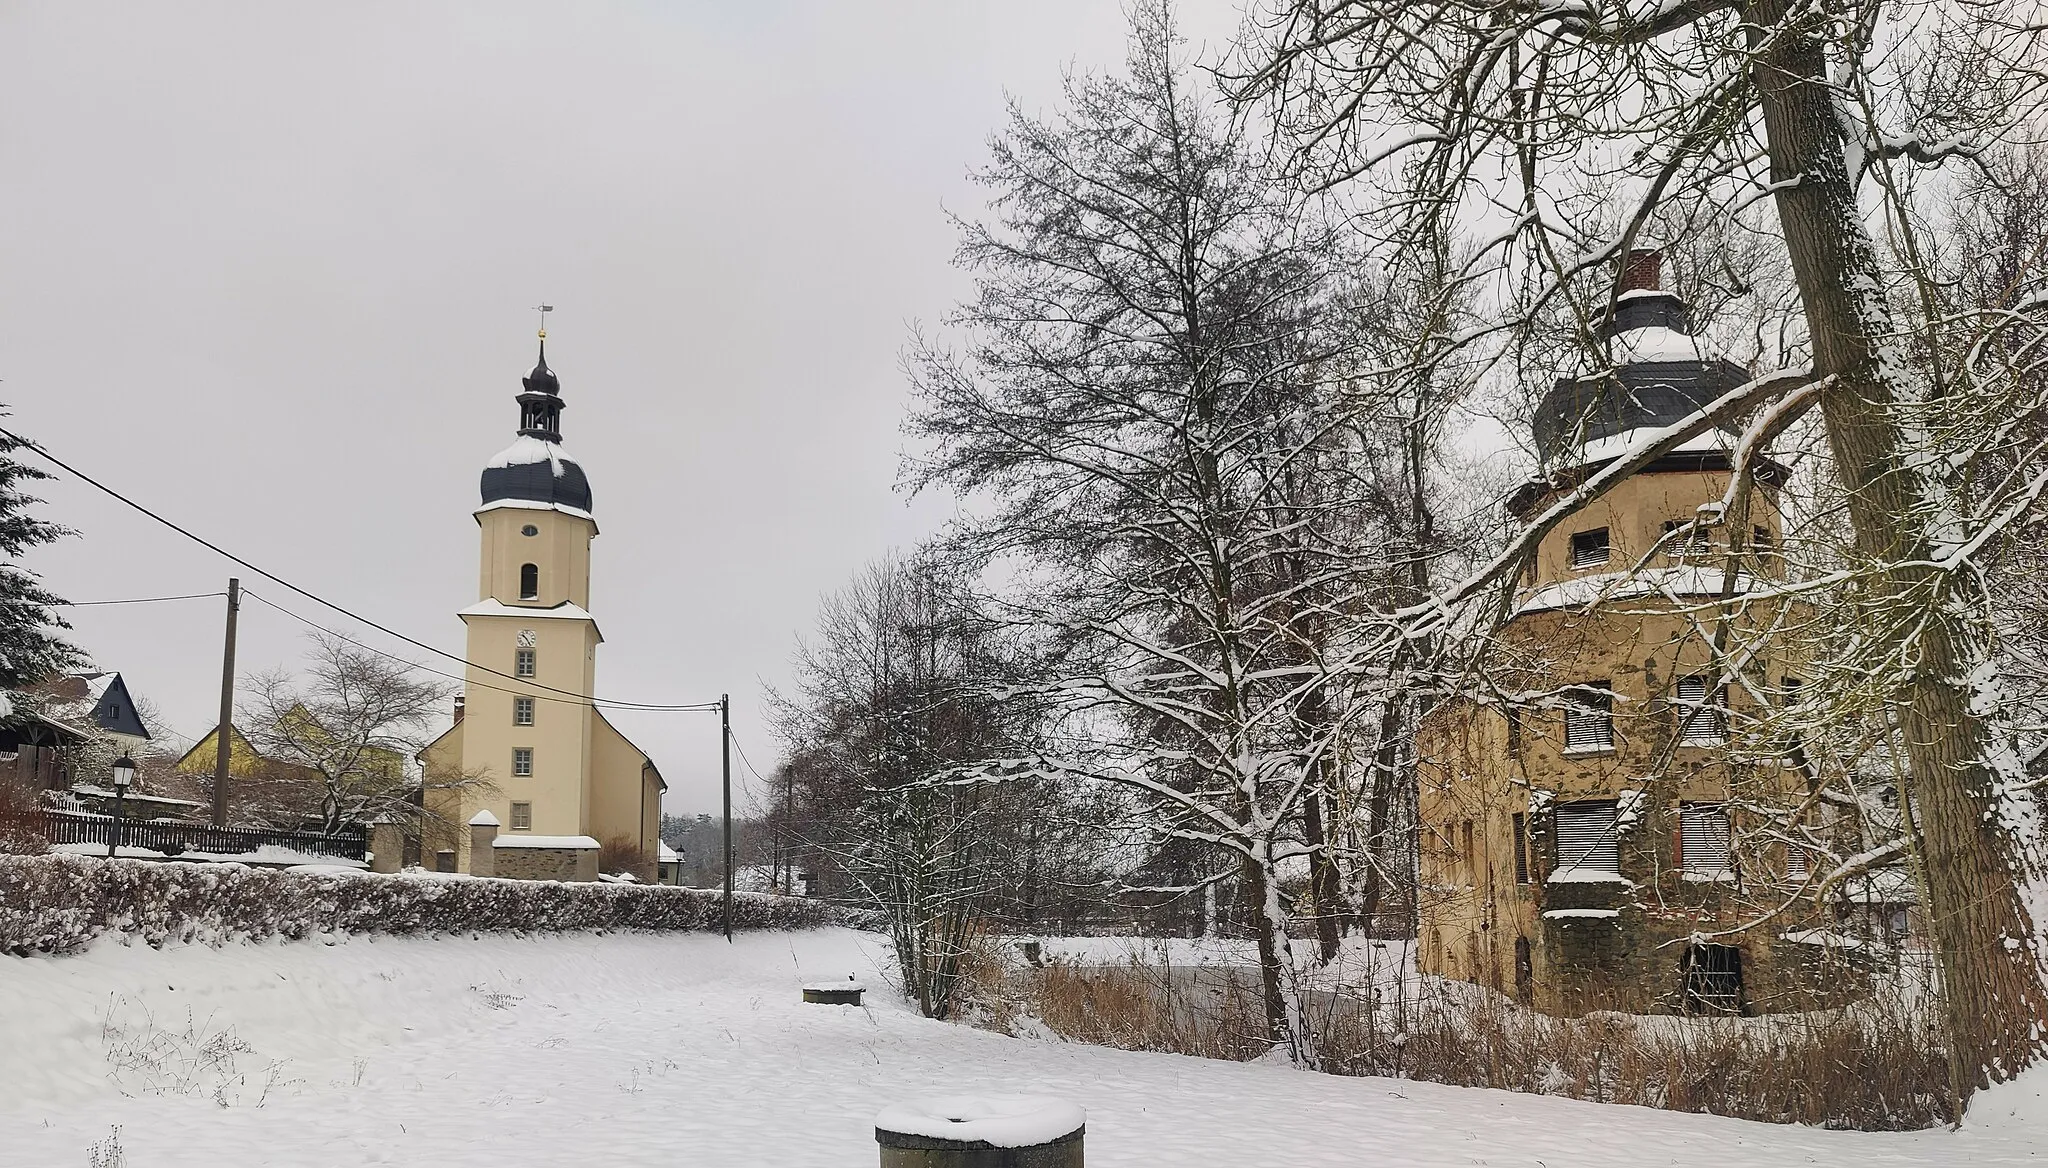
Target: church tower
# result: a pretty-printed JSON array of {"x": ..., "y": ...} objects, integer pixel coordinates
[{"x": 549, "y": 778}]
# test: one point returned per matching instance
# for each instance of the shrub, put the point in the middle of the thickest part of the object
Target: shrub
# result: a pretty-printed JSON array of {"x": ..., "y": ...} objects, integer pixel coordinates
[{"x": 58, "y": 903}]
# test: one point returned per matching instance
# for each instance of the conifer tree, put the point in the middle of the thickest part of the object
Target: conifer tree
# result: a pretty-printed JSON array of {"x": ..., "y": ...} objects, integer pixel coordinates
[{"x": 30, "y": 647}]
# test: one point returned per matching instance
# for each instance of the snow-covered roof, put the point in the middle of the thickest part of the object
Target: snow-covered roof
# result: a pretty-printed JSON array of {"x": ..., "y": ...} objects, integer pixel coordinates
[
  {"x": 668, "y": 855},
  {"x": 523, "y": 840},
  {"x": 527, "y": 449},
  {"x": 1658, "y": 343},
  {"x": 1674, "y": 582},
  {"x": 532, "y": 505},
  {"x": 483, "y": 818},
  {"x": 562, "y": 611}
]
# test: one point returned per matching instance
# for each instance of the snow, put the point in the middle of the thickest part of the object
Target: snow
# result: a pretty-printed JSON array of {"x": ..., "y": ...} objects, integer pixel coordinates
[
  {"x": 1673, "y": 582},
  {"x": 833, "y": 987},
  {"x": 567, "y": 610},
  {"x": 632, "y": 1048},
  {"x": 1005, "y": 1121},
  {"x": 483, "y": 818},
  {"x": 667, "y": 855},
  {"x": 267, "y": 855},
  {"x": 1583, "y": 875},
  {"x": 1657, "y": 344},
  {"x": 1588, "y": 914},
  {"x": 522, "y": 840},
  {"x": 1821, "y": 937},
  {"x": 526, "y": 450},
  {"x": 535, "y": 505}
]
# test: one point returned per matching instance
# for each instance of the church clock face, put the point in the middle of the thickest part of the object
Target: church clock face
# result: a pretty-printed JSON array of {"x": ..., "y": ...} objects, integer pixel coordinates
[{"x": 528, "y": 638}]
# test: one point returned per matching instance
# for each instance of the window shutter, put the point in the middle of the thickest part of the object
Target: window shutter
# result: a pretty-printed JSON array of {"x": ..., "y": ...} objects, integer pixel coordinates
[
  {"x": 1589, "y": 548},
  {"x": 1798, "y": 863},
  {"x": 1589, "y": 720},
  {"x": 1586, "y": 837},
  {"x": 1699, "y": 721},
  {"x": 1703, "y": 838}
]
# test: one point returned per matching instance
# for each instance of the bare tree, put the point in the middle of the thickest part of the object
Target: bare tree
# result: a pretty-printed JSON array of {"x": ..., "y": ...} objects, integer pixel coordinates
[
  {"x": 891, "y": 692},
  {"x": 1202, "y": 494},
  {"x": 1834, "y": 129},
  {"x": 346, "y": 734}
]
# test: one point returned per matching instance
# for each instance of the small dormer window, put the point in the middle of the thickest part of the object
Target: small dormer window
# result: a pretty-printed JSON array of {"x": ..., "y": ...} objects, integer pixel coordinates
[
  {"x": 1589, "y": 548},
  {"x": 529, "y": 582}
]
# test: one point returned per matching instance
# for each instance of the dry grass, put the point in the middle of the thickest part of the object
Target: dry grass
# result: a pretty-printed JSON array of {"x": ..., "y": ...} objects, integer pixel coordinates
[{"x": 1870, "y": 1066}]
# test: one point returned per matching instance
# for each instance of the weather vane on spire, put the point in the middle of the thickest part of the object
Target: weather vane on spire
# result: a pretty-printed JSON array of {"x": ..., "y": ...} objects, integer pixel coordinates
[{"x": 543, "y": 309}]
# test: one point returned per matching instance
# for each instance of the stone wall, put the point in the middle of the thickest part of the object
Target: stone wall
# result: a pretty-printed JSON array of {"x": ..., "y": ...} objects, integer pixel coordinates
[{"x": 524, "y": 863}]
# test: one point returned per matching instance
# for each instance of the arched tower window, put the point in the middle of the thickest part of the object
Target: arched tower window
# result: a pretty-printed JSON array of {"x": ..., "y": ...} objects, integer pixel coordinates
[{"x": 529, "y": 582}]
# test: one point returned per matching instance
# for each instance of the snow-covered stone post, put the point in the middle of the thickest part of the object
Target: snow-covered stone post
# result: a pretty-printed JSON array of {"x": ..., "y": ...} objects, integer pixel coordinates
[
  {"x": 387, "y": 846},
  {"x": 483, "y": 834},
  {"x": 982, "y": 1131}
]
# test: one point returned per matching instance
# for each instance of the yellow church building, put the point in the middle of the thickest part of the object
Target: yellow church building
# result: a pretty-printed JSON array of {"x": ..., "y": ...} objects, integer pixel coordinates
[{"x": 553, "y": 781}]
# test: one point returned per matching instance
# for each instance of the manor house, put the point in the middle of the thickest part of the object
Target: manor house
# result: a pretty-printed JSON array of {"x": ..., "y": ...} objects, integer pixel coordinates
[{"x": 1592, "y": 837}]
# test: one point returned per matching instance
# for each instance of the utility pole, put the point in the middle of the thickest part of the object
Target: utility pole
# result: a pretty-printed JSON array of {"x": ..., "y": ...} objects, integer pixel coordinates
[
  {"x": 725, "y": 760},
  {"x": 227, "y": 709}
]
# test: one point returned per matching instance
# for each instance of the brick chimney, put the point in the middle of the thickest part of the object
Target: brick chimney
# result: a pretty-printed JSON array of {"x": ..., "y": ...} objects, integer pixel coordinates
[
  {"x": 1643, "y": 271},
  {"x": 458, "y": 709}
]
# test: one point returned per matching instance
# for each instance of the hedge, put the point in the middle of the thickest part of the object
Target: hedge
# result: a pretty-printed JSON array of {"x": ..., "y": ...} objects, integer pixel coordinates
[{"x": 59, "y": 903}]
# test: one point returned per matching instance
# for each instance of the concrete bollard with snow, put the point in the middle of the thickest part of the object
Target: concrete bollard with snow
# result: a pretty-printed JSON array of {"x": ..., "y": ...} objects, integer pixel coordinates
[
  {"x": 834, "y": 993},
  {"x": 982, "y": 1131}
]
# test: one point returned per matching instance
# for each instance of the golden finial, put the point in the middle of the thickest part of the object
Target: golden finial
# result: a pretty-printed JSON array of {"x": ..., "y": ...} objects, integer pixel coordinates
[{"x": 543, "y": 309}]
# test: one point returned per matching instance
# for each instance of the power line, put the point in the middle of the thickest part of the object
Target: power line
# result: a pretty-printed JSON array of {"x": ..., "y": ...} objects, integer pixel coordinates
[
  {"x": 325, "y": 603},
  {"x": 744, "y": 759},
  {"x": 94, "y": 603},
  {"x": 408, "y": 662}
]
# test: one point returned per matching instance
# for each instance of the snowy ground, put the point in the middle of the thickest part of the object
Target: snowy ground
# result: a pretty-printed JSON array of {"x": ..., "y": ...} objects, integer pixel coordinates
[{"x": 675, "y": 1049}]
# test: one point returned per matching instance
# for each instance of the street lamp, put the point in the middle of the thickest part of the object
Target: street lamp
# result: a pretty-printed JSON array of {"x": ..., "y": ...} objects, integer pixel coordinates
[{"x": 124, "y": 774}]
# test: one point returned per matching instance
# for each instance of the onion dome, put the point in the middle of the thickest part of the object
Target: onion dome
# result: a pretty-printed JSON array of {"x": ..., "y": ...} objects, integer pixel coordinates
[
  {"x": 1661, "y": 373},
  {"x": 535, "y": 470}
]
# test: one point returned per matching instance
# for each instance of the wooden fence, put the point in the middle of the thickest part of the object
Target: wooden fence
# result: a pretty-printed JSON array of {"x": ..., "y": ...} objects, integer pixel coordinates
[{"x": 172, "y": 838}]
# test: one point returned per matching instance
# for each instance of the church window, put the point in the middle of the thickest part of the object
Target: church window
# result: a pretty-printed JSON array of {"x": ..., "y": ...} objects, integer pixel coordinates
[
  {"x": 529, "y": 530},
  {"x": 522, "y": 663},
  {"x": 522, "y": 762},
  {"x": 1589, "y": 548},
  {"x": 1589, "y": 719},
  {"x": 522, "y": 711},
  {"x": 529, "y": 582},
  {"x": 522, "y": 817}
]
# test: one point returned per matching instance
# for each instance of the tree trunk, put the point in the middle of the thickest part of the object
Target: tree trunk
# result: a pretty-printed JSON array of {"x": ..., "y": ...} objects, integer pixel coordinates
[
  {"x": 1286, "y": 1021},
  {"x": 1993, "y": 994}
]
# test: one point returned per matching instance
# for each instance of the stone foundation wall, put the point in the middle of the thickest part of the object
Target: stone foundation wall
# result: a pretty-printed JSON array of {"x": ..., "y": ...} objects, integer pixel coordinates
[{"x": 571, "y": 864}]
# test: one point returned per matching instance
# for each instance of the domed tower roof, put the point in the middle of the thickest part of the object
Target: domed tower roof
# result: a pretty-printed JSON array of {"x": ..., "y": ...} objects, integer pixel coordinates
[
  {"x": 535, "y": 469},
  {"x": 1661, "y": 374}
]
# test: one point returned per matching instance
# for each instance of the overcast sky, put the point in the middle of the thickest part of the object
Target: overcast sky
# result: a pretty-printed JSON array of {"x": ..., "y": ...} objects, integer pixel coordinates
[{"x": 268, "y": 269}]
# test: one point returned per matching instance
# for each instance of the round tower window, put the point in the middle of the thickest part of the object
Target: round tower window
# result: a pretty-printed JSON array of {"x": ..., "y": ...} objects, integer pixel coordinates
[{"x": 529, "y": 529}]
